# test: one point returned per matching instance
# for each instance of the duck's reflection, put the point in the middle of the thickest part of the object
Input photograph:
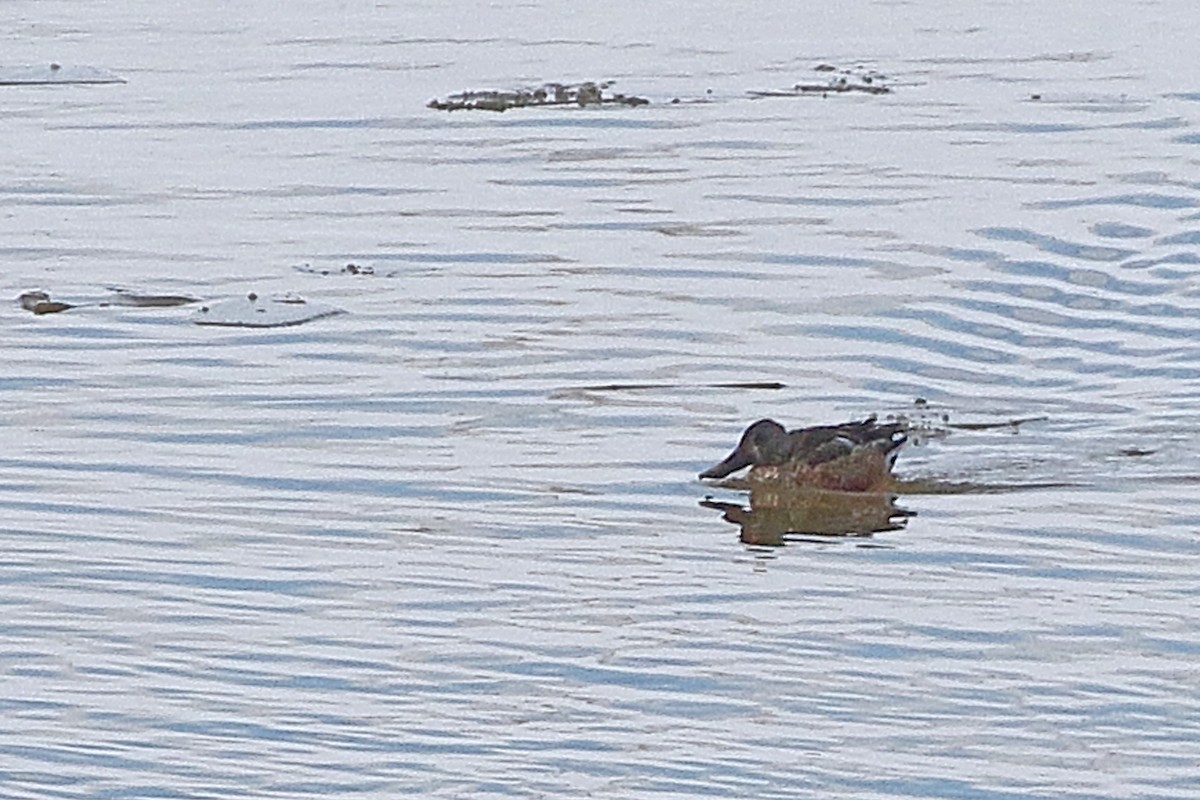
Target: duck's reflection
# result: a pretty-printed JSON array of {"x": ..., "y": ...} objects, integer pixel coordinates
[{"x": 776, "y": 516}]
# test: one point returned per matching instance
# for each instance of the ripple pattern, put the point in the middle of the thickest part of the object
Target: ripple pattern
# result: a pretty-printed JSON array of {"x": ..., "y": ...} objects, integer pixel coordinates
[{"x": 450, "y": 544}]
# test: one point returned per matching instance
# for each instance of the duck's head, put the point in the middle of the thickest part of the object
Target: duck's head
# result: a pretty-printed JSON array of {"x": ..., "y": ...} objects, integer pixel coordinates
[{"x": 764, "y": 442}]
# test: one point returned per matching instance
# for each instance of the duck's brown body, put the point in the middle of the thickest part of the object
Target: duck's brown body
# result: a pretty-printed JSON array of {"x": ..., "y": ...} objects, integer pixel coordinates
[{"x": 851, "y": 457}]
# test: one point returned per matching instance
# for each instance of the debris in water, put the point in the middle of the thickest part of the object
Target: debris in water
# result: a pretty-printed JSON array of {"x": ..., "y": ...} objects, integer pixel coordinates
[
  {"x": 136, "y": 299},
  {"x": 588, "y": 93},
  {"x": 856, "y": 79},
  {"x": 40, "y": 303},
  {"x": 253, "y": 311},
  {"x": 37, "y": 74},
  {"x": 349, "y": 269}
]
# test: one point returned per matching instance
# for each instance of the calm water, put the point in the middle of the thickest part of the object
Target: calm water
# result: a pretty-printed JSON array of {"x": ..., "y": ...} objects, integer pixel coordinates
[{"x": 451, "y": 544}]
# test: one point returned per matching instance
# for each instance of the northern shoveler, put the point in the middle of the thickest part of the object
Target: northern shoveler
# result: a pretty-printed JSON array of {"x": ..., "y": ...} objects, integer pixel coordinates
[{"x": 851, "y": 457}]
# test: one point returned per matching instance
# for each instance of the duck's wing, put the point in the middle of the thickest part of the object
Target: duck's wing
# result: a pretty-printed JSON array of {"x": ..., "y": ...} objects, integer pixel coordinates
[{"x": 818, "y": 445}]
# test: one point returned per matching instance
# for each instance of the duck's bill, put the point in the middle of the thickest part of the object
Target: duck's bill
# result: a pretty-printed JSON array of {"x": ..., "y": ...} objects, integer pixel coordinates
[{"x": 735, "y": 461}]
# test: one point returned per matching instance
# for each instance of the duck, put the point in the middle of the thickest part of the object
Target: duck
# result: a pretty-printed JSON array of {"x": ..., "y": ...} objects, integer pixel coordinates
[{"x": 855, "y": 456}]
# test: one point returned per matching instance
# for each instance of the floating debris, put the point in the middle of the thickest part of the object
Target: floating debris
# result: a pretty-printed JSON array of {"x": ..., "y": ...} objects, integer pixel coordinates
[
  {"x": 699, "y": 231},
  {"x": 866, "y": 81},
  {"x": 250, "y": 311},
  {"x": 708, "y": 98},
  {"x": 584, "y": 94},
  {"x": 40, "y": 74},
  {"x": 253, "y": 311},
  {"x": 40, "y": 303},
  {"x": 137, "y": 299},
  {"x": 349, "y": 269}
]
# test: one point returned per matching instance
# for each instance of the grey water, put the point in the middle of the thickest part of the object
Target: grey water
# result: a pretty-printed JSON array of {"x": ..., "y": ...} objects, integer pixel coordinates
[{"x": 451, "y": 542}]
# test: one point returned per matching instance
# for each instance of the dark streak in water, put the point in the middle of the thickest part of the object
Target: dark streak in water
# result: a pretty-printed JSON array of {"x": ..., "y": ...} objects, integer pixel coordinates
[
  {"x": 622, "y": 387},
  {"x": 985, "y": 426},
  {"x": 933, "y": 486}
]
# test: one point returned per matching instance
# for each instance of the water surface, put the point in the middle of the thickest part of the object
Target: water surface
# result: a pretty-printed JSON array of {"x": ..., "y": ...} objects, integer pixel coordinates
[{"x": 451, "y": 544}]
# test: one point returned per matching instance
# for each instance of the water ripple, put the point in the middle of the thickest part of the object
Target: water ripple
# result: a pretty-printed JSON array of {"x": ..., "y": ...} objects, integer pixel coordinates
[{"x": 450, "y": 543}]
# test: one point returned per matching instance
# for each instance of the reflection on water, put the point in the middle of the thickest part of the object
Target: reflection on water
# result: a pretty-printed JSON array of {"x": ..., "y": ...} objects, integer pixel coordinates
[
  {"x": 774, "y": 514},
  {"x": 447, "y": 544}
]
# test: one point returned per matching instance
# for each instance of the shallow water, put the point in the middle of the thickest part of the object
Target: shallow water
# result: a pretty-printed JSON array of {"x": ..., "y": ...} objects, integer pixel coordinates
[{"x": 451, "y": 543}]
